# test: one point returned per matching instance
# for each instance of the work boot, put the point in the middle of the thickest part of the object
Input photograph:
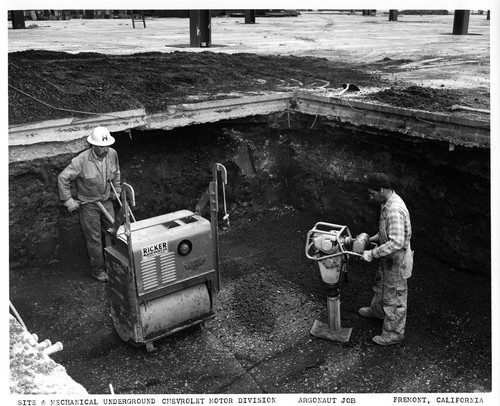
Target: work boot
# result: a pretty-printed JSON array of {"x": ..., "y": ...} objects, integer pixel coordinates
[
  {"x": 367, "y": 312},
  {"x": 384, "y": 340},
  {"x": 102, "y": 276}
]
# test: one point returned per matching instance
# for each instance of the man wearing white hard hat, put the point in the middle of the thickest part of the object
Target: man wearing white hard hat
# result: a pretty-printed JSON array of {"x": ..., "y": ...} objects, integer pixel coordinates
[{"x": 92, "y": 171}]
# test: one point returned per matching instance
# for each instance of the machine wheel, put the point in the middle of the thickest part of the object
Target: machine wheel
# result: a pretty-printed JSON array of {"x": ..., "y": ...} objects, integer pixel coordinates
[{"x": 122, "y": 332}]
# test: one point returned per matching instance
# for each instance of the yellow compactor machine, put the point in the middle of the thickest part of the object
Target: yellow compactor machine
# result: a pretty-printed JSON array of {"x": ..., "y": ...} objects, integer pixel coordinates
[{"x": 163, "y": 272}]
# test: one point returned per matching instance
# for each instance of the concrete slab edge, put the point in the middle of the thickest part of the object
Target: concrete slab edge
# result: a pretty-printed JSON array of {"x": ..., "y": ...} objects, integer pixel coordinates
[
  {"x": 65, "y": 130},
  {"x": 390, "y": 120},
  {"x": 53, "y": 137},
  {"x": 213, "y": 111}
]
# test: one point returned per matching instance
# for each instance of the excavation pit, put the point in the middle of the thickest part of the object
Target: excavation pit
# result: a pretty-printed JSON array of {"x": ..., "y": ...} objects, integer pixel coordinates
[
  {"x": 291, "y": 161},
  {"x": 300, "y": 161}
]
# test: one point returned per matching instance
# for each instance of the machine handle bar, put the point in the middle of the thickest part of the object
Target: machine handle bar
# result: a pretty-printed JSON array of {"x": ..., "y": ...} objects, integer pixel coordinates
[
  {"x": 343, "y": 252},
  {"x": 131, "y": 191},
  {"x": 341, "y": 233}
]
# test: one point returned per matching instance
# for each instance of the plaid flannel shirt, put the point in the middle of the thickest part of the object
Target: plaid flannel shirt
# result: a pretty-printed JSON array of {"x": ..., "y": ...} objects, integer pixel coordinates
[{"x": 394, "y": 228}]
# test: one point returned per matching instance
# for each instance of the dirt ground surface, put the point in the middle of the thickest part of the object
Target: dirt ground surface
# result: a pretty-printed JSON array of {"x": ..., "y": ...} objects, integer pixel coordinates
[{"x": 259, "y": 341}]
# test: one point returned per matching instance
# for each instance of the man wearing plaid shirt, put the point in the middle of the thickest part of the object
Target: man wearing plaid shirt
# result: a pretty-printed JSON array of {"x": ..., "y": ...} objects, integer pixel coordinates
[{"x": 396, "y": 261}]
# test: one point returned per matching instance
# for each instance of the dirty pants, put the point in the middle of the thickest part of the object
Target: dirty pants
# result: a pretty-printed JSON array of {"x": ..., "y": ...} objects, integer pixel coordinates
[
  {"x": 93, "y": 223},
  {"x": 391, "y": 292}
]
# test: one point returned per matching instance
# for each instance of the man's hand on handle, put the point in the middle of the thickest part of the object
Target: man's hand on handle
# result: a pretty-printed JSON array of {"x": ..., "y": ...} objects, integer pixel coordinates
[
  {"x": 72, "y": 205},
  {"x": 367, "y": 256}
]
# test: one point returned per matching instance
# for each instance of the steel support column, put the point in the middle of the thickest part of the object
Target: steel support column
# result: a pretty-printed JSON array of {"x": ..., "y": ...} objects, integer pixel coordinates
[
  {"x": 249, "y": 16},
  {"x": 393, "y": 15},
  {"x": 200, "y": 28},
  {"x": 18, "y": 21},
  {"x": 461, "y": 22}
]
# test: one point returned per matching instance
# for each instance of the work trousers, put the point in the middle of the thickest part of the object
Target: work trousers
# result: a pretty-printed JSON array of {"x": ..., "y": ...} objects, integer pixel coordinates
[
  {"x": 94, "y": 223},
  {"x": 390, "y": 298}
]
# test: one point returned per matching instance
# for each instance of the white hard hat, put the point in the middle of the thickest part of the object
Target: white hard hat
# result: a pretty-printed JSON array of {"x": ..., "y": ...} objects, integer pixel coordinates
[{"x": 100, "y": 137}]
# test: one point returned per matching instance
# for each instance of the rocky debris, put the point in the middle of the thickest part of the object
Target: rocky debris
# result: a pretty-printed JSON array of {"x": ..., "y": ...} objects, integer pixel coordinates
[{"x": 32, "y": 371}]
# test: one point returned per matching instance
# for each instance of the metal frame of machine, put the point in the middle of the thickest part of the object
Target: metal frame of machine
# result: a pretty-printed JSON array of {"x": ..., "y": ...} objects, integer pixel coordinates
[
  {"x": 163, "y": 272},
  {"x": 327, "y": 244}
]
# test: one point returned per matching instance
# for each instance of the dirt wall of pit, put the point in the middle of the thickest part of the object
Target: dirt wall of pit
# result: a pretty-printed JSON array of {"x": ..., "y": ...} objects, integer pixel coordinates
[{"x": 273, "y": 161}]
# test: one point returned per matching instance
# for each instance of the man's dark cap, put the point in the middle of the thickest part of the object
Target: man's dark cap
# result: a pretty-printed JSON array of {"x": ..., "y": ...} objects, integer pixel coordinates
[{"x": 376, "y": 181}]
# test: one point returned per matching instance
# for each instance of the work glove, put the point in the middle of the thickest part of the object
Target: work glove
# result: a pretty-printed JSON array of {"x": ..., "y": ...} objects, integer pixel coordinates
[
  {"x": 367, "y": 256},
  {"x": 71, "y": 204}
]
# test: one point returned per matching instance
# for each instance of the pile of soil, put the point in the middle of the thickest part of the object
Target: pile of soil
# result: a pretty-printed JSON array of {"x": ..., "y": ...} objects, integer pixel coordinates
[
  {"x": 46, "y": 85},
  {"x": 93, "y": 82},
  {"x": 419, "y": 98}
]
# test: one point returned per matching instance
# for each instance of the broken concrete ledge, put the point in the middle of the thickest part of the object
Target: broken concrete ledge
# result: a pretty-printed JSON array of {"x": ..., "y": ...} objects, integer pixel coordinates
[
  {"x": 213, "y": 111},
  {"x": 409, "y": 122},
  {"x": 68, "y": 135},
  {"x": 55, "y": 137}
]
